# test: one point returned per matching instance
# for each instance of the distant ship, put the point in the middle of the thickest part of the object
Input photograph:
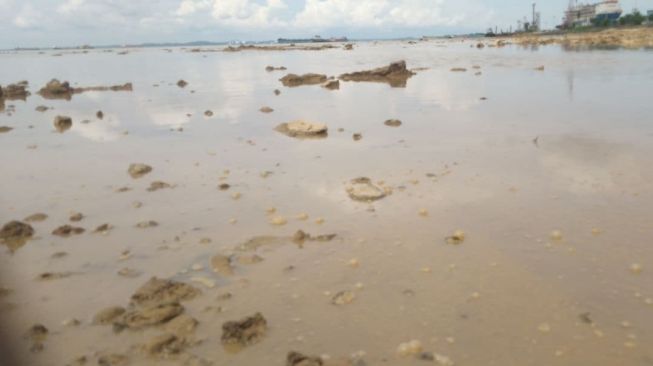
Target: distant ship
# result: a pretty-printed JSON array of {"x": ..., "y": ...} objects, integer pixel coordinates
[{"x": 316, "y": 39}]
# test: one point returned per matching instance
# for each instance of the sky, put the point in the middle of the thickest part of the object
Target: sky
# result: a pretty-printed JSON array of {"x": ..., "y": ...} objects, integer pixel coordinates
[{"x": 45, "y": 23}]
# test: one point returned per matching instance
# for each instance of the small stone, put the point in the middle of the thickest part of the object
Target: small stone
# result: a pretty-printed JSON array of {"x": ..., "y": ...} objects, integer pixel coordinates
[
  {"x": 66, "y": 231},
  {"x": 392, "y": 123},
  {"x": 138, "y": 170},
  {"x": 357, "y": 136},
  {"x": 343, "y": 298},
  {"x": 76, "y": 217},
  {"x": 266, "y": 109},
  {"x": 236, "y": 195},
  {"x": 278, "y": 221},
  {"x": 99, "y": 114},
  {"x": 410, "y": 348},
  {"x": 147, "y": 224},
  {"x": 62, "y": 123},
  {"x": 544, "y": 328},
  {"x": 208, "y": 113},
  {"x": 636, "y": 268},
  {"x": 457, "y": 238},
  {"x": 556, "y": 235},
  {"x": 37, "y": 217},
  {"x": 182, "y": 83}
]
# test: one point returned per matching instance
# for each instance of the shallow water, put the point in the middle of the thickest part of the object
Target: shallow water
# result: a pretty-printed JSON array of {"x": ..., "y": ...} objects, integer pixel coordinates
[{"x": 508, "y": 295}]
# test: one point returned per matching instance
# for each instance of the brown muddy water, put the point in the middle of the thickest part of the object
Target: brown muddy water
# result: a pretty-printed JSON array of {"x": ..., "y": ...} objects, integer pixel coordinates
[{"x": 549, "y": 178}]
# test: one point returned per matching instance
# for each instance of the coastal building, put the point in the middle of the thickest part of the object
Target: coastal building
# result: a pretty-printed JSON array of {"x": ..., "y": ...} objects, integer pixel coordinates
[{"x": 578, "y": 14}]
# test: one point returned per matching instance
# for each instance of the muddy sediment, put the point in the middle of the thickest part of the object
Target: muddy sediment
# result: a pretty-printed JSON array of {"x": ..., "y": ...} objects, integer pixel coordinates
[{"x": 630, "y": 38}]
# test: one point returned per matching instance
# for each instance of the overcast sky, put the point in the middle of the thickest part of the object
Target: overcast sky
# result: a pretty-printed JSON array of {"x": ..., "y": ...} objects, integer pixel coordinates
[{"x": 74, "y": 22}]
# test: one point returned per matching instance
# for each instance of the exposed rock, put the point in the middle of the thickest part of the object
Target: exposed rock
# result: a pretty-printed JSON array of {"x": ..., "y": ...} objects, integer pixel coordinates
[
  {"x": 245, "y": 332},
  {"x": 15, "y": 234},
  {"x": 458, "y": 69},
  {"x": 362, "y": 189},
  {"x": 224, "y": 187},
  {"x": 272, "y": 68},
  {"x": 142, "y": 317},
  {"x": 293, "y": 80},
  {"x": 277, "y": 91},
  {"x": 332, "y": 85},
  {"x": 156, "y": 185},
  {"x": 298, "y": 359},
  {"x": 62, "y": 123},
  {"x": 392, "y": 123},
  {"x": 99, "y": 114},
  {"x": 5, "y": 129},
  {"x": 55, "y": 89},
  {"x": 539, "y": 68},
  {"x": 357, "y": 136},
  {"x": 182, "y": 83},
  {"x": 14, "y": 92},
  {"x": 41, "y": 108},
  {"x": 348, "y": 47},
  {"x": 208, "y": 113},
  {"x": 67, "y": 231},
  {"x": 266, "y": 109},
  {"x": 138, "y": 170},
  {"x": 303, "y": 129},
  {"x": 108, "y": 315},
  {"x": 396, "y": 74},
  {"x": 222, "y": 264},
  {"x": 157, "y": 291}
]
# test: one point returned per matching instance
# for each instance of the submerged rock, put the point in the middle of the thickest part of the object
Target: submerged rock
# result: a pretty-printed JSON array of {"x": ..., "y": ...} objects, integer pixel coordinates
[
  {"x": 362, "y": 189},
  {"x": 62, "y": 123},
  {"x": 15, "y": 234},
  {"x": 298, "y": 359},
  {"x": 457, "y": 238},
  {"x": 458, "y": 69},
  {"x": 244, "y": 332},
  {"x": 303, "y": 129},
  {"x": 113, "y": 359},
  {"x": 156, "y": 185},
  {"x": 164, "y": 345},
  {"x": 293, "y": 80},
  {"x": 222, "y": 264},
  {"x": 108, "y": 315},
  {"x": 156, "y": 291},
  {"x": 138, "y": 170},
  {"x": 146, "y": 316},
  {"x": 396, "y": 74},
  {"x": 66, "y": 231}
]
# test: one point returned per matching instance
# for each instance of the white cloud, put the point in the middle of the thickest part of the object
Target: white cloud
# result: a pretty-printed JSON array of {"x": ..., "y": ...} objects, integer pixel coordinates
[
  {"x": 247, "y": 12},
  {"x": 374, "y": 13},
  {"x": 70, "y": 6},
  {"x": 27, "y": 17},
  {"x": 189, "y": 7}
]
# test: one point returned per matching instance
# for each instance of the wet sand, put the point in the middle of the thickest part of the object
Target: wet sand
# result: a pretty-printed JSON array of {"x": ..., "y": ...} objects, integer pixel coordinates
[{"x": 514, "y": 223}]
